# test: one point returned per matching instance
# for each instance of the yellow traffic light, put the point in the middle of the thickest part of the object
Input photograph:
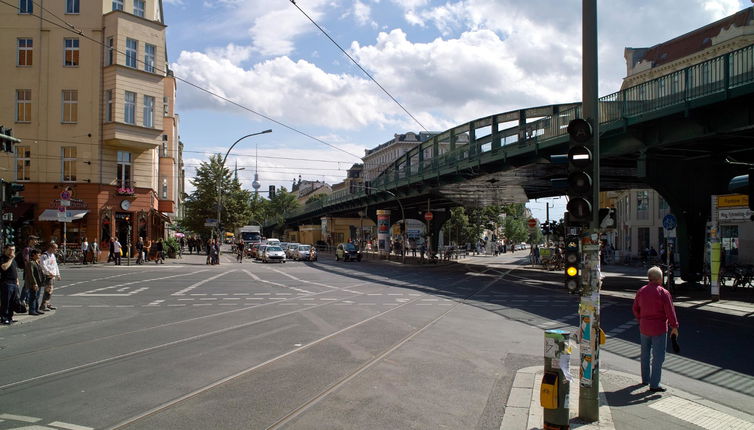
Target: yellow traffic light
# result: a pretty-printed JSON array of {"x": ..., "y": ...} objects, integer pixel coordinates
[{"x": 572, "y": 271}]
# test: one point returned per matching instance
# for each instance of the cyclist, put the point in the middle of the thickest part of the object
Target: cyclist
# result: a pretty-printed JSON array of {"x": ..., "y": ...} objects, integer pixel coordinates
[{"x": 240, "y": 251}]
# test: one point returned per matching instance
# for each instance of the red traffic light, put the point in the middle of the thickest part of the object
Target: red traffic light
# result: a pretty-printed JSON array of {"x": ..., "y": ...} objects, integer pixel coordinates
[{"x": 580, "y": 130}]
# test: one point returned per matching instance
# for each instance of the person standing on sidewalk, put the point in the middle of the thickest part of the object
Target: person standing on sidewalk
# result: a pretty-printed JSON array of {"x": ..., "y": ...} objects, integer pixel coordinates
[
  {"x": 94, "y": 248},
  {"x": 653, "y": 307},
  {"x": 140, "y": 251},
  {"x": 51, "y": 272},
  {"x": 8, "y": 284},
  {"x": 117, "y": 250},
  {"x": 84, "y": 250},
  {"x": 33, "y": 282}
]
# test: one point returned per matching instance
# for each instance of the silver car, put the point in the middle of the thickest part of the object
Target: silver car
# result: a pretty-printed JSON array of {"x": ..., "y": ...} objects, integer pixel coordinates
[
  {"x": 291, "y": 250},
  {"x": 302, "y": 253},
  {"x": 273, "y": 253}
]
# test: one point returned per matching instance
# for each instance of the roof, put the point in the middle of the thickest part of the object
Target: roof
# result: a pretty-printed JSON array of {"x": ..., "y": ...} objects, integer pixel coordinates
[{"x": 694, "y": 41}]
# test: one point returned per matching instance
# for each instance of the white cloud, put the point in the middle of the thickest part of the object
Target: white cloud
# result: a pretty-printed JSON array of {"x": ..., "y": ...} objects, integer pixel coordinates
[{"x": 363, "y": 14}]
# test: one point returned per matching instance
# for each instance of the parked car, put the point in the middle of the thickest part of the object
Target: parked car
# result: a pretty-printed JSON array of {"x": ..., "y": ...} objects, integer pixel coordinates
[
  {"x": 347, "y": 252},
  {"x": 291, "y": 250},
  {"x": 273, "y": 253},
  {"x": 303, "y": 253}
]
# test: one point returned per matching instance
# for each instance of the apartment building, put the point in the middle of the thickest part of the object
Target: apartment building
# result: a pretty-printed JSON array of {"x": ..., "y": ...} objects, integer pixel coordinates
[{"x": 93, "y": 103}]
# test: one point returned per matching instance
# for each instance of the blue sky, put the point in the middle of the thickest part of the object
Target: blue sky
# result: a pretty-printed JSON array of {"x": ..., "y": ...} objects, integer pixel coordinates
[{"x": 446, "y": 61}]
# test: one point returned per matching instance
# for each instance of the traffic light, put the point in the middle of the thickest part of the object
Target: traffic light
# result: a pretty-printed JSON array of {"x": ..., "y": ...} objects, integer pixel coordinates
[
  {"x": 580, "y": 166},
  {"x": 545, "y": 228},
  {"x": 272, "y": 191},
  {"x": 6, "y": 139},
  {"x": 14, "y": 193},
  {"x": 571, "y": 259},
  {"x": 9, "y": 235}
]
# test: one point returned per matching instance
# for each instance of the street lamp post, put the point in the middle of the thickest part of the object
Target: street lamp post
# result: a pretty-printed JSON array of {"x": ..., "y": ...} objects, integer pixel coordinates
[
  {"x": 403, "y": 217},
  {"x": 219, "y": 179}
]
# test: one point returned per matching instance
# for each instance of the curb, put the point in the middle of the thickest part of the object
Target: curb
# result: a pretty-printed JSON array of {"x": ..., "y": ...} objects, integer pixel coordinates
[{"x": 522, "y": 410}]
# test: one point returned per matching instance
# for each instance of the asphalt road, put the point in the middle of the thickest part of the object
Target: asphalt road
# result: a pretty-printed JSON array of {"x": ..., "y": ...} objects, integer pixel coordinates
[{"x": 308, "y": 345}]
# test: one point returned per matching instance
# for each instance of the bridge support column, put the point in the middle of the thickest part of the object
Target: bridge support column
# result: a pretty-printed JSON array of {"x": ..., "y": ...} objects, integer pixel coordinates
[
  {"x": 438, "y": 220},
  {"x": 687, "y": 186}
]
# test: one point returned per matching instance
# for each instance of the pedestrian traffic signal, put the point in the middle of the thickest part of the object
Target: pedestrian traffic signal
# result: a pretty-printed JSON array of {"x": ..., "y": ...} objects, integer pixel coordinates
[
  {"x": 9, "y": 235},
  {"x": 571, "y": 259},
  {"x": 580, "y": 166}
]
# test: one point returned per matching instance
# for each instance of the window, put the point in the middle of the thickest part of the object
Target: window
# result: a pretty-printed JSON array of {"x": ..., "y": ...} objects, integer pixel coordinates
[
  {"x": 165, "y": 107},
  {"x": 70, "y": 106},
  {"x": 139, "y": 8},
  {"x": 124, "y": 170},
  {"x": 642, "y": 205},
  {"x": 23, "y": 105},
  {"x": 164, "y": 145},
  {"x": 164, "y": 188},
  {"x": 109, "y": 51},
  {"x": 109, "y": 106},
  {"x": 148, "y": 111},
  {"x": 117, "y": 4},
  {"x": 24, "y": 51},
  {"x": 23, "y": 163},
  {"x": 131, "y": 47},
  {"x": 26, "y": 6},
  {"x": 129, "y": 114},
  {"x": 71, "y": 57},
  {"x": 149, "y": 58},
  {"x": 68, "y": 159},
  {"x": 72, "y": 6}
]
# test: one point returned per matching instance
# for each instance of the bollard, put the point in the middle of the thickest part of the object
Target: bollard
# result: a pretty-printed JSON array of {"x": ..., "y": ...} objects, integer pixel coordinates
[{"x": 553, "y": 395}]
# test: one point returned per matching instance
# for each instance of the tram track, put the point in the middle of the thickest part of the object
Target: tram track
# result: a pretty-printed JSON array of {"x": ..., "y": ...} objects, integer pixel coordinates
[
  {"x": 153, "y": 348},
  {"x": 293, "y": 413}
]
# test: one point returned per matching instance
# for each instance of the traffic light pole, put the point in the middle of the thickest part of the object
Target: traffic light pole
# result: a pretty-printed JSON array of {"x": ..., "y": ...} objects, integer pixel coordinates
[{"x": 589, "y": 307}]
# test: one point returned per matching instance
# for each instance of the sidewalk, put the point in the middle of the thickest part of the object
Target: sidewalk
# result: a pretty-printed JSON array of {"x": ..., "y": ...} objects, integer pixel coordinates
[{"x": 624, "y": 404}]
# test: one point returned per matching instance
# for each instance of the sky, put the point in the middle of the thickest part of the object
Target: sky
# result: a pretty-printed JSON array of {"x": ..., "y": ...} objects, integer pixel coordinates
[{"x": 447, "y": 62}]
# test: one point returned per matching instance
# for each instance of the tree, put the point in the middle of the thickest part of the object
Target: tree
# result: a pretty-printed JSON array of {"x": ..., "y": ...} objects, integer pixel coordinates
[
  {"x": 457, "y": 225},
  {"x": 282, "y": 202},
  {"x": 202, "y": 204}
]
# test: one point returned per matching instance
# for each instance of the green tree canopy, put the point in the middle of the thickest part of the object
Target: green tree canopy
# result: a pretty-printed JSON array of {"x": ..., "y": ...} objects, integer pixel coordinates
[{"x": 202, "y": 204}]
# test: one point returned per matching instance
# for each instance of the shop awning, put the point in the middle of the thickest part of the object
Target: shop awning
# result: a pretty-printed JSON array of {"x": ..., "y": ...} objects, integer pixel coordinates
[{"x": 52, "y": 215}]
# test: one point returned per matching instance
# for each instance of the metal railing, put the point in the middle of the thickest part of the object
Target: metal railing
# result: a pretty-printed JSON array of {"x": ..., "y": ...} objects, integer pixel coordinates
[{"x": 441, "y": 154}]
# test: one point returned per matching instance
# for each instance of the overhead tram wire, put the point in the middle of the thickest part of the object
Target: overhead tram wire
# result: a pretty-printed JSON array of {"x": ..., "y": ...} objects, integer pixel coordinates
[
  {"x": 359, "y": 65},
  {"x": 72, "y": 28},
  {"x": 241, "y": 154}
]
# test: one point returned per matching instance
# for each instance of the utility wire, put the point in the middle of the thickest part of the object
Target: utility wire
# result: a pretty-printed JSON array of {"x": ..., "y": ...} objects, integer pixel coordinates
[
  {"x": 70, "y": 27},
  {"x": 358, "y": 65}
]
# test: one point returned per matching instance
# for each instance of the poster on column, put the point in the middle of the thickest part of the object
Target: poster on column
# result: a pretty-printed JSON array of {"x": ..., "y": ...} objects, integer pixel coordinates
[
  {"x": 383, "y": 230},
  {"x": 585, "y": 372}
]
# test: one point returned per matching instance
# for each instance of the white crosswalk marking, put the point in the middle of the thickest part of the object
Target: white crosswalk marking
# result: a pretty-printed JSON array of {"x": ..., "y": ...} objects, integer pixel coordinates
[{"x": 700, "y": 415}]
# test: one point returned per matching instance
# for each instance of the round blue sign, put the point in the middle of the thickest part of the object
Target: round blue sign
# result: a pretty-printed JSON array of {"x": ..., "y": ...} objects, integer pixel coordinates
[{"x": 669, "y": 222}]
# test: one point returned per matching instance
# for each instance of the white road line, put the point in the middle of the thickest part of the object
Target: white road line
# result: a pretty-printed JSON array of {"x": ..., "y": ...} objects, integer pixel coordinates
[
  {"x": 700, "y": 415},
  {"x": 91, "y": 280},
  {"x": 20, "y": 418},
  {"x": 68, "y": 426},
  {"x": 95, "y": 292},
  {"x": 200, "y": 283},
  {"x": 262, "y": 294}
]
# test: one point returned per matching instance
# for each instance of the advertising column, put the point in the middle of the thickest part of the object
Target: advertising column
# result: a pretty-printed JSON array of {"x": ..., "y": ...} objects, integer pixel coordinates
[{"x": 383, "y": 231}]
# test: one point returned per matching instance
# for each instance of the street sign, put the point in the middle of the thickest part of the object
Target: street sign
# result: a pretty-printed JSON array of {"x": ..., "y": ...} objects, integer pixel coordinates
[
  {"x": 65, "y": 195},
  {"x": 532, "y": 223},
  {"x": 428, "y": 216},
  {"x": 669, "y": 222},
  {"x": 209, "y": 222}
]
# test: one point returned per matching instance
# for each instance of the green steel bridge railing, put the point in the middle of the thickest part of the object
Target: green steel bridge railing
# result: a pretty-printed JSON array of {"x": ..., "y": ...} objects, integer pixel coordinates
[{"x": 711, "y": 81}]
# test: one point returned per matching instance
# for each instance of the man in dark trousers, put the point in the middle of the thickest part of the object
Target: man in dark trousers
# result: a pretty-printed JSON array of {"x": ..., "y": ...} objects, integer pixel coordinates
[
  {"x": 8, "y": 284},
  {"x": 653, "y": 307}
]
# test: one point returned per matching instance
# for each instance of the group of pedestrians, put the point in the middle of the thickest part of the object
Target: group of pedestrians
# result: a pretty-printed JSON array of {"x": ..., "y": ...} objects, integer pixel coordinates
[
  {"x": 144, "y": 251},
  {"x": 40, "y": 271},
  {"x": 213, "y": 252},
  {"x": 194, "y": 244}
]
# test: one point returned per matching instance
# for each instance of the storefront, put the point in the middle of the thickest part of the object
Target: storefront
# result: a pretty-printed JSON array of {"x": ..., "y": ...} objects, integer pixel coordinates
[{"x": 92, "y": 211}]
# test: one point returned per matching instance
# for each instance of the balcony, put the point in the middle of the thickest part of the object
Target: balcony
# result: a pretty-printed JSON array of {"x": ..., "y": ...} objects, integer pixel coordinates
[
  {"x": 166, "y": 206},
  {"x": 131, "y": 137}
]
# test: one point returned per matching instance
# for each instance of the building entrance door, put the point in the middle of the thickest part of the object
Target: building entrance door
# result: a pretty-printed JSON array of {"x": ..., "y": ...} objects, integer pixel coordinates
[{"x": 122, "y": 221}]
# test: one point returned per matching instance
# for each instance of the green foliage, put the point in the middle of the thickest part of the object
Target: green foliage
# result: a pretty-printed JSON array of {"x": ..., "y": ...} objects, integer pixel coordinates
[
  {"x": 280, "y": 204},
  {"x": 316, "y": 198},
  {"x": 202, "y": 204},
  {"x": 171, "y": 244}
]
